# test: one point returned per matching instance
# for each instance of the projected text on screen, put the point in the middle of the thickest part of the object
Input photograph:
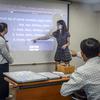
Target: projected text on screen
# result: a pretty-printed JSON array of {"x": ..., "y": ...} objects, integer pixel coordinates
[{"x": 23, "y": 26}]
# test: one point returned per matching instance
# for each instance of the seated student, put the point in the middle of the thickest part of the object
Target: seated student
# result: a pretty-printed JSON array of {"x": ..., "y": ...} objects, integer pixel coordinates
[{"x": 87, "y": 76}]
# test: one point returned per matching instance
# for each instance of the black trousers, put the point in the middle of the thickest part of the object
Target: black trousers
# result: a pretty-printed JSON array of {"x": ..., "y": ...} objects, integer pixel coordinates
[{"x": 4, "y": 86}]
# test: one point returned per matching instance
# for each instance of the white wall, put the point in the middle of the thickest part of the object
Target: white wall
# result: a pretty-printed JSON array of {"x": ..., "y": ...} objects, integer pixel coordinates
[
  {"x": 83, "y": 24},
  {"x": 96, "y": 6},
  {"x": 98, "y": 23},
  {"x": 34, "y": 68}
]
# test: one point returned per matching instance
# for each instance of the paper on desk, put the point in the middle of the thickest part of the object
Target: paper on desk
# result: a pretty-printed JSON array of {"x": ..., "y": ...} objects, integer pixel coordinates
[
  {"x": 50, "y": 75},
  {"x": 25, "y": 76}
]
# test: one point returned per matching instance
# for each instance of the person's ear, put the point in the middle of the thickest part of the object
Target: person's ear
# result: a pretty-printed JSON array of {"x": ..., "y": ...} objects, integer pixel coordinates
[
  {"x": 83, "y": 56},
  {"x": 6, "y": 30}
]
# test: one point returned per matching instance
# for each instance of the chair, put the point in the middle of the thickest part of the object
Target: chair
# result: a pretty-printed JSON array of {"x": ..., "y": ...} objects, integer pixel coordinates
[{"x": 79, "y": 95}]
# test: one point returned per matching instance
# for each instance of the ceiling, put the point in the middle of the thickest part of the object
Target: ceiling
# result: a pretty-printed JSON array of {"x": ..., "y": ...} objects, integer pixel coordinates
[
  {"x": 87, "y": 1},
  {"x": 95, "y": 3}
]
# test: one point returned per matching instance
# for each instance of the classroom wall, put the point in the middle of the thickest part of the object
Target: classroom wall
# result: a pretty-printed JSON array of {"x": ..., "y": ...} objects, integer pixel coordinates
[
  {"x": 98, "y": 23},
  {"x": 83, "y": 23}
]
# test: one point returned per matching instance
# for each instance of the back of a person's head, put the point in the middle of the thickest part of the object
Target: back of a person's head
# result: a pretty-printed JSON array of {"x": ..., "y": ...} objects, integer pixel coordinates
[
  {"x": 3, "y": 26},
  {"x": 90, "y": 47}
]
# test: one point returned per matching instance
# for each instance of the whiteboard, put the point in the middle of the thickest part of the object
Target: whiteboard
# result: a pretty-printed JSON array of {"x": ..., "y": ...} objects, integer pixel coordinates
[{"x": 27, "y": 21}]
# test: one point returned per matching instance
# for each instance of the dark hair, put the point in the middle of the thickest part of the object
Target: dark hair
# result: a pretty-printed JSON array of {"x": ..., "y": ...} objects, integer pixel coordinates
[
  {"x": 64, "y": 28},
  {"x": 3, "y": 26},
  {"x": 90, "y": 47}
]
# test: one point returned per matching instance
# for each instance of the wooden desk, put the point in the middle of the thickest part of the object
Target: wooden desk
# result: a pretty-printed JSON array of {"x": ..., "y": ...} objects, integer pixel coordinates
[{"x": 45, "y": 90}]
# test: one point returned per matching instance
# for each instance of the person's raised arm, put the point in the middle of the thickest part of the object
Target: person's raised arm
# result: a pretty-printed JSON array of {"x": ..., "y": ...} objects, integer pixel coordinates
[{"x": 45, "y": 37}]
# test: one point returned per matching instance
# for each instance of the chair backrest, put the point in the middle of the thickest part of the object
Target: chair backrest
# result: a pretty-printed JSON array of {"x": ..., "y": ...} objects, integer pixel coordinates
[
  {"x": 67, "y": 69},
  {"x": 79, "y": 95}
]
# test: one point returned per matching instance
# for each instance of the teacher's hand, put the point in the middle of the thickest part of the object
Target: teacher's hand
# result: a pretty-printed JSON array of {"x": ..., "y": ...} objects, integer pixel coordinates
[
  {"x": 34, "y": 40},
  {"x": 64, "y": 46},
  {"x": 73, "y": 53}
]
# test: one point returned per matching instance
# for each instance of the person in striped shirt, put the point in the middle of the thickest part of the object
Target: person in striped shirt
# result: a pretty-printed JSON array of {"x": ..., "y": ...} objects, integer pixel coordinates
[{"x": 87, "y": 76}]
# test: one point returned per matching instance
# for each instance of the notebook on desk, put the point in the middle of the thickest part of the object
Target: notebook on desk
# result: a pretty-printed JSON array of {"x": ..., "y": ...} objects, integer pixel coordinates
[
  {"x": 50, "y": 75},
  {"x": 25, "y": 76}
]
